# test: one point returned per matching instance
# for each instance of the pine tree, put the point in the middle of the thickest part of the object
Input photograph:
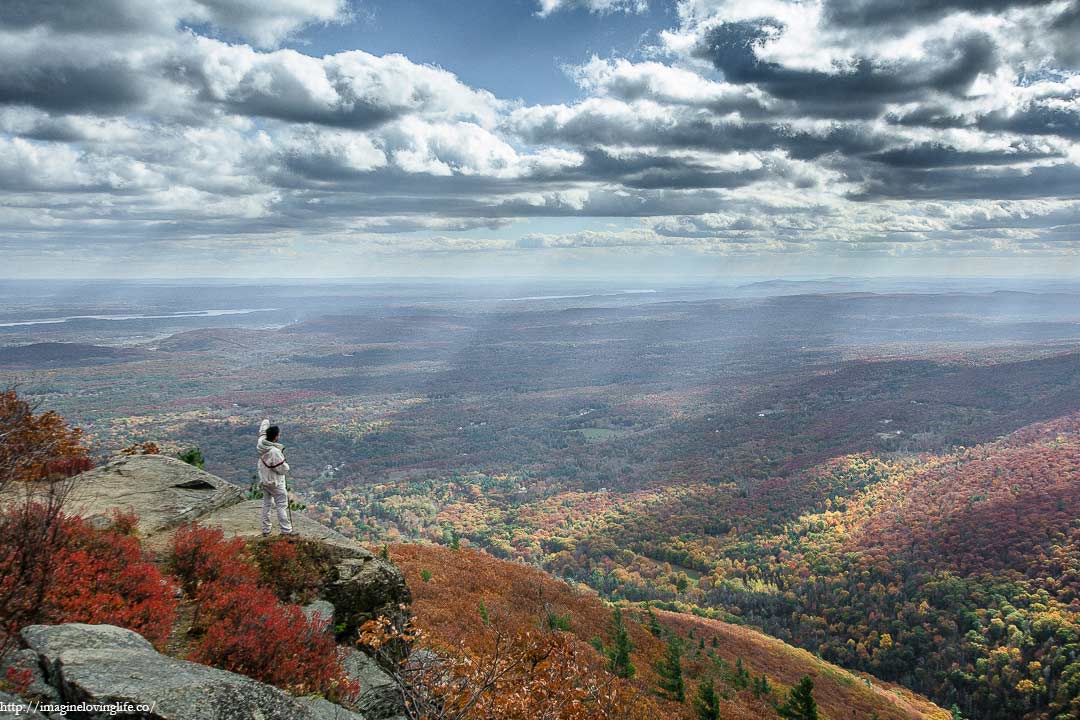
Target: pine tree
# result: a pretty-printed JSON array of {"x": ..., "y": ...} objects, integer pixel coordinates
[
  {"x": 654, "y": 624},
  {"x": 669, "y": 671},
  {"x": 194, "y": 457},
  {"x": 619, "y": 662},
  {"x": 740, "y": 678},
  {"x": 707, "y": 702},
  {"x": 761, "y": 687},
  {"x": 800, "y": 704}
]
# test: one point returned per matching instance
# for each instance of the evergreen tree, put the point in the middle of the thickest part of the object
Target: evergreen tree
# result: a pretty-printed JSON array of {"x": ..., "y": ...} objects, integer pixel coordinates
[
  {"x": 800, "y": 704},
  {"x": 653, "y": 623},
  {"x": 740, "y": 678},
  {"x": 194, "y": 457},
  {"x": 619, "y": 662},
  {"x": 669, "y": 671},
  {"x": 761, "y": 686},
  {"x": 707, "y": 702}
]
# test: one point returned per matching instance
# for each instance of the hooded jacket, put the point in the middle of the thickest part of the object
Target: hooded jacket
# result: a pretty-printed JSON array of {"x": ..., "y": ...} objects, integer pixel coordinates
[{"x": 272, "y": 465}]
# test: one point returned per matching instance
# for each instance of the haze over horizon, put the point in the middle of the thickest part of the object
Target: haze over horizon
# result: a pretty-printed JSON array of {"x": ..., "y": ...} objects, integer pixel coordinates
[{"x": 530, "y": 138}]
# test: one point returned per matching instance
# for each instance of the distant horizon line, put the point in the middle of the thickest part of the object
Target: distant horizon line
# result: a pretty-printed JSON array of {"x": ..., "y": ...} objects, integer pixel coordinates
[{"x": 696, "y": 279}]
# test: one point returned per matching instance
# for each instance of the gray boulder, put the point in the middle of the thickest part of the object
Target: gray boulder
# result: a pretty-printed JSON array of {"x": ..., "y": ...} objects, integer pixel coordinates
[
  {"x": 12, "y": 707},
  {"x": 106, "y": 664},
  {"x": 163, "y": 491},
  {"x": 242, "y": 519},
  {"x": 380, "y": 697},
  {"x": 26, "y": 661},
  {"x": 363, "y": 588},
  {"x": 323, "y": 609},
  {"x": 323, "y": 709}
]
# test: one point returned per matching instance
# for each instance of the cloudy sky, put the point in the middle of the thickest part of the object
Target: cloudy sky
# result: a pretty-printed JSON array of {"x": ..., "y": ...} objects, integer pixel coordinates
[{"x": 705, "y": 138}]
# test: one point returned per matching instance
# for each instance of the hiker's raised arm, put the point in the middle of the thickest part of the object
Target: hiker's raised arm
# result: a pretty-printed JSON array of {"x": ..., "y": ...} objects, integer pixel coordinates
[{"x": 263, "y": 425}]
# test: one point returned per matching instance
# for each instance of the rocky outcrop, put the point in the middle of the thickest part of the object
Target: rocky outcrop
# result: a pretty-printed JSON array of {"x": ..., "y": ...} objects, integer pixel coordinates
[
  {"x": 380, "y": 697},
  {"x": 17, "y": 708},
  {"x": 241, "y": 519},
  {"x": 106, "y": 664},
  {"x": 362, "y": 589},
  {"x": 164, "y": 492},
  {"x": 76, "y": 662}
]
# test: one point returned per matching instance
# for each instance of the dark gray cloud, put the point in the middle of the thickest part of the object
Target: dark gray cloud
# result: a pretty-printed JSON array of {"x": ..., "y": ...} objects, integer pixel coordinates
[
  {"x": 107, "y": 87},
  {"x": 903, "y": 13},
  {"x": 1036, "y": 119},
  {"x": 265, "y": 22},
  {"x": 936, "y": 154},
  {"x": 1060, "y": 181},
  {"x": 862, "y": 90},
  {"x": 92, "y": 16}
]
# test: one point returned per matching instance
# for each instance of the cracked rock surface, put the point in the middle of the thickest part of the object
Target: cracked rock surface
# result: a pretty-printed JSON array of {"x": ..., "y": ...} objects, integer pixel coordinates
[
  {"x": 108, "y": 664},
  {"x": 163, "y": 491}
]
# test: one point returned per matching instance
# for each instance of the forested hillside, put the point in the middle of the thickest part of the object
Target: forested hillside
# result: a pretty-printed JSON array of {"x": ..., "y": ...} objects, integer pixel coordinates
[
  {"x": 956, "y": 575},
  {"x": 464, "y": 600}
]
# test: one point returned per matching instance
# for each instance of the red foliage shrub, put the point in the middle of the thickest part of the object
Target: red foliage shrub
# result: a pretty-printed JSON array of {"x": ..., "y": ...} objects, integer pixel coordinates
[
  {"x": 17, "y": 680},
  {"x": 125, "y": 523},
  {"x": 251, "y": 633},
  {"x": 201, "y": 555},
  {"x": 246, "y": 629},
  {"x": 96, "y": 576}
]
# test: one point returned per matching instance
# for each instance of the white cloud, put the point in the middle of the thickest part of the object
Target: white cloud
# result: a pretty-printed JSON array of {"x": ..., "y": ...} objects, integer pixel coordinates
[
  {"x": 773, "y": 127},
  {"x": 352, "y": 89},
  {"x": 264, "y": 22},
  {"x": 548, "y": 7}
]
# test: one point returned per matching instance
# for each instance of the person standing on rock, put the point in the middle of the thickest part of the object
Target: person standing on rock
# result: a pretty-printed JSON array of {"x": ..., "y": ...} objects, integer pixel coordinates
[{"x": 272, "y": 471}]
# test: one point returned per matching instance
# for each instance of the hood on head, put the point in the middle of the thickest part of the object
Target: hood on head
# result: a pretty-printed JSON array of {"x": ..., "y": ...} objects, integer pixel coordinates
[{"x": 266, "y": 446}]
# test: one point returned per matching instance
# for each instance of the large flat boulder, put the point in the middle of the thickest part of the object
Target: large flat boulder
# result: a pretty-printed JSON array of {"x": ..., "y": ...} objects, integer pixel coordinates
[
  {"x": 107, "y": 664},
  {"x": 163, "y": 491},
  {"x": 243, "y": 520}
]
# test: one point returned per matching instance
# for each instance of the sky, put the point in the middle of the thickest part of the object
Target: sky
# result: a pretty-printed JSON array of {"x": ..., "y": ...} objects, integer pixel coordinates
[{"x": 552, "y": 138}]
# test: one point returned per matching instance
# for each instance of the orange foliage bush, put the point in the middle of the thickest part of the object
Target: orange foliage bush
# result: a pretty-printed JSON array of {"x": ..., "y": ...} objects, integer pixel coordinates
[
  {"x": 144, "y": 448},
  {"x": 36, "y": 447},
  {"x": 529, "y": 674}
]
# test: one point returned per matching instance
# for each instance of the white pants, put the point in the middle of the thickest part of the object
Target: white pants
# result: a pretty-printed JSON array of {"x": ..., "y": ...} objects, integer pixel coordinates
[{"x": 274, "y": 495}]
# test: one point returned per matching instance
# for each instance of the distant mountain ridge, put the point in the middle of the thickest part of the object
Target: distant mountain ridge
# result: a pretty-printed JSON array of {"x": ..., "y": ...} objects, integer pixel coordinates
[{"x": 62, "y": 354}]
